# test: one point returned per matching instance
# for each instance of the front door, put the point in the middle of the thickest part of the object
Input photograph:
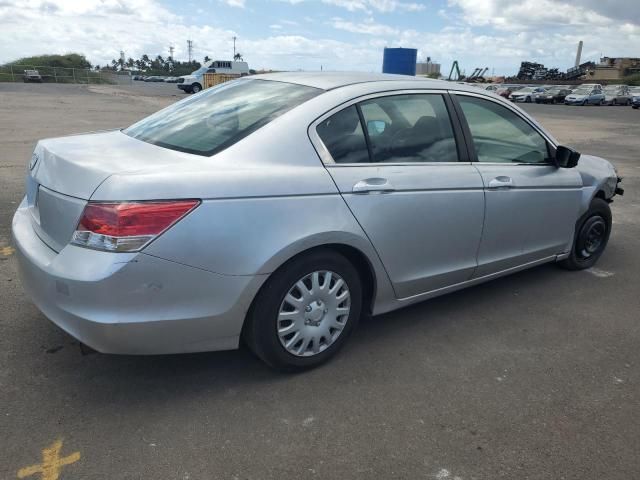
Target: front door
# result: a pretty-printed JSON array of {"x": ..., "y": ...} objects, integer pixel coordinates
[
  {"x": 395, "y": 161},
  {"x": 531, "y": 205}
]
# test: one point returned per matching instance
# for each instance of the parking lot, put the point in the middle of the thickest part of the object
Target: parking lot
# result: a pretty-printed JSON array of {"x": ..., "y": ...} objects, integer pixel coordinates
[{"x": 532, "y": 376}]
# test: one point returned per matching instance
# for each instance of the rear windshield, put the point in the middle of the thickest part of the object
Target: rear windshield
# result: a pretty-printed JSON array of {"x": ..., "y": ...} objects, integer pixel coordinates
[{"x": 220, "y": 116}]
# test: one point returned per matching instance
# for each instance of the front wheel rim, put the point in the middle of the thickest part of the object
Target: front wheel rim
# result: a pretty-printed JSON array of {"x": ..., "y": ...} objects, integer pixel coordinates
[
  {"x": 313, "y": 313},
  {"x": 592, "y": 237}
]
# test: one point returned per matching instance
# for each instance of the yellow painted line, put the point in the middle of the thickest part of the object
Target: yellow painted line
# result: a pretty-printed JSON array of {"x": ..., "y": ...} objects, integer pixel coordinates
[
  {"x": 6, "y": 251},
  {"x": 51, "y": 464}
]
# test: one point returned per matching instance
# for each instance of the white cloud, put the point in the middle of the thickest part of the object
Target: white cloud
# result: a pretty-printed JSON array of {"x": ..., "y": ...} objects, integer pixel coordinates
[
  {"x": 351, "y": 5},
  {"x": 368, "y": 27},
  {"x": 235, "y": 3},
  {"x": 528, "y": 14},
  {"x": 491, "y": 33},
  {"x": 275, "y": 26},
  {"x": 379, "y": 5},
  {"x": 392, "y": 5}
]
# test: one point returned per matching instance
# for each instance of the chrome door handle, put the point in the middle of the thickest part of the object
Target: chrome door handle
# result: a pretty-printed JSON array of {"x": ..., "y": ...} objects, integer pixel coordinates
[
  {"x": 500, "y": 183},
  {"x": 373, "y": 185}
]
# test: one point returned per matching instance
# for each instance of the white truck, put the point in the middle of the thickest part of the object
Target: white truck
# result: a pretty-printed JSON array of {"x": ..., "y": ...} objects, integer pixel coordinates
[{"x": 193, "y": 83}]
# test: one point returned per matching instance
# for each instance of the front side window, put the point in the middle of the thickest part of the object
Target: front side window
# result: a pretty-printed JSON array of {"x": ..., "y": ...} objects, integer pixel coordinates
[
  {"x": 391, "y": 129},
  {"x": 208, "y": 123},
  {"x": 500, "y": 135}
]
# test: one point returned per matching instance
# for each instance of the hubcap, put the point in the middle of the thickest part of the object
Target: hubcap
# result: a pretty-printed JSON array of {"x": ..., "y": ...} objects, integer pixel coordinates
[
  {"x": 591, "y": 237},
  {"x": 314, "y": 313}
]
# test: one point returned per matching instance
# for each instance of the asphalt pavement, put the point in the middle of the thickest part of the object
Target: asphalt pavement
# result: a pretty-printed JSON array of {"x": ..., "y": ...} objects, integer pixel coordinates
[{"x": 532, "y": 376}]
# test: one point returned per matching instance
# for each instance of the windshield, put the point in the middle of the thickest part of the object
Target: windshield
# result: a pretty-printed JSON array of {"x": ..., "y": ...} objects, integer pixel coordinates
[
  {"x": 635, "y": 90},
  {"x": 612, "y": 88},
  {"x": 582, "y": 91},
  {"x": 208, "y": 123},
  {"x": 526, "y": 90},
  {"x": 199, "y": 71}
]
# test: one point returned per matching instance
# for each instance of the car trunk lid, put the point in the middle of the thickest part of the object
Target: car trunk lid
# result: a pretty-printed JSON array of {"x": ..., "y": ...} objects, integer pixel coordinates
[{"x": 64, "y": 173}]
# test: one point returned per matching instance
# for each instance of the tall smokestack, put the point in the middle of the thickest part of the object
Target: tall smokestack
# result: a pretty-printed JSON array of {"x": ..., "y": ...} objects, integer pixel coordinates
[{"x": 579, "y": 54}]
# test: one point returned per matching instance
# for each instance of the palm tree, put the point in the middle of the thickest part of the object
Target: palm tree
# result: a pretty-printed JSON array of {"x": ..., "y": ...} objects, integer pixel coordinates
[
  {"x": 237, "y": 57},
  {"x": 206, "y": 59}
]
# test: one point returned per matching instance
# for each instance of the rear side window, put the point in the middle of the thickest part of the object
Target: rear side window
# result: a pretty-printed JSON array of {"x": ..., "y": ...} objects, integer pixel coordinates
[
  {"x": 208, "y": 123},
  {"x": 391, "y": 129},
  {"x": 409, "y": 128},
  {"x": 342, "y": 134}
]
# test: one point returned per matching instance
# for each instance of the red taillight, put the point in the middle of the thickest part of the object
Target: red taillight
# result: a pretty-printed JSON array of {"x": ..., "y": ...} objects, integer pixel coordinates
[{"x": 127, "y": 226}]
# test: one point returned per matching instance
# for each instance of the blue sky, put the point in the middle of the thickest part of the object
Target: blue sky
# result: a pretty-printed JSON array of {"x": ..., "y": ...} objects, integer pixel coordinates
[{"x": 334, "y": 34}]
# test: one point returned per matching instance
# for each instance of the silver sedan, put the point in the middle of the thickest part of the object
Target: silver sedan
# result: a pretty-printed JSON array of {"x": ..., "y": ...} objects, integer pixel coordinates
[{"x": 281, "y": 208}]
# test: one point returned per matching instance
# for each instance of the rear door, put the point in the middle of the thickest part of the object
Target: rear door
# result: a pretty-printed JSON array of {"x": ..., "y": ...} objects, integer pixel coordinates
[
  {"x": 401, "y": 166},
  {"x": 531, "y": 205}
]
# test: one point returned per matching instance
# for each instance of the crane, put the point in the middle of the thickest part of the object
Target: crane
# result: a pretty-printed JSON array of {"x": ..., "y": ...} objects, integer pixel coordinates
[{"x": 455, "y": 67}]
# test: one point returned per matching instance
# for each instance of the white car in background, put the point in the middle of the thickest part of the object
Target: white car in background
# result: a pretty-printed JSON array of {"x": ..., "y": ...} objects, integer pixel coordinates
[
  {"x": 195, "y": 82},
  {"x": 526, "y": 94}
]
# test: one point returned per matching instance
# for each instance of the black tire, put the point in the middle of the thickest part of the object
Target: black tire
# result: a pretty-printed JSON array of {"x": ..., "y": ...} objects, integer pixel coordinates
[
  {"x": 260, "y": 329},
  {"x": 527, "y": 100},
  {"x": 635, "y": 107},
  {"x": 196, "y": 87},
  {"x": 596, "y": 220}
]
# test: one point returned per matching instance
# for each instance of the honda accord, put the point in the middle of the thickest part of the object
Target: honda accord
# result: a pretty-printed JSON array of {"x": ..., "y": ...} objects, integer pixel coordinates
[{"x": 278, "y": 209}]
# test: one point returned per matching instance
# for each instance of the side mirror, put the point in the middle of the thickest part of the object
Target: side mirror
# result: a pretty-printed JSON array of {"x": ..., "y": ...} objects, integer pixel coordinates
[{"x": 566, "y": 157}]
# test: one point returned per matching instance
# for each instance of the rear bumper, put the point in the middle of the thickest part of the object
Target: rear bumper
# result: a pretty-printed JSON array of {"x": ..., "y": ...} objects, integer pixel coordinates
[{"x": 131, "y": 303}]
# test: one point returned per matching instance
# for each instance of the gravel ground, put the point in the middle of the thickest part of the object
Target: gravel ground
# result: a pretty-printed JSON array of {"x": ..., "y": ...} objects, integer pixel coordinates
[{"x": 533, "y": 376}]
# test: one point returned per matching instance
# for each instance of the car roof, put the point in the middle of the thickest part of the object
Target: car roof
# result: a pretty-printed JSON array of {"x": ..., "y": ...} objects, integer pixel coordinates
[{"x": 332, "y": 80}]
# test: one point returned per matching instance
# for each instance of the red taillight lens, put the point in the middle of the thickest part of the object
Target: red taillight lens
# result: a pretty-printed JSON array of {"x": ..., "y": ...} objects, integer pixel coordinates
[{"x": 127, "y": 226}]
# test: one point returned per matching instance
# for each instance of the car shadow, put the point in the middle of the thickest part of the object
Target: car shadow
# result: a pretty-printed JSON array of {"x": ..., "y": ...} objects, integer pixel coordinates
[{"x": 101, "y": 378}]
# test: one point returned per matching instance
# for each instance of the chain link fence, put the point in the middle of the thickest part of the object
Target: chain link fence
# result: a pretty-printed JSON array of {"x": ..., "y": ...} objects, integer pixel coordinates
[{"x": 16, "y": 73}]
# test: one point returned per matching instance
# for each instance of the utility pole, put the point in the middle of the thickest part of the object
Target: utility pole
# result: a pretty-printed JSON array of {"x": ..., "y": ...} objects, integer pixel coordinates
[
  {"x": 171, "y": 48},
  {"x": 190, "y": 49},
  {"x": 234, "y": 48}
]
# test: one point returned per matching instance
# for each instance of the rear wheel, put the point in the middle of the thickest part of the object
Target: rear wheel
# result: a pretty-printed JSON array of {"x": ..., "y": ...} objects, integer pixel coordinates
[
  {"x": 195, "y": 88},
  {"x": 305, "y": 312},
  {"x": 591, "y": 236}
]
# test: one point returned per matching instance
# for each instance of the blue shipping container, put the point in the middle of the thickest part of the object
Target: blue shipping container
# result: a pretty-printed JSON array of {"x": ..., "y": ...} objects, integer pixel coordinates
[{"x": 399, "y": 60}]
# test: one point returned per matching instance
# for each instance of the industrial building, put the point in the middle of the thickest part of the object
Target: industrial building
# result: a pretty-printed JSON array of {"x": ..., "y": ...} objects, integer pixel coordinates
[
  {"x": 615, "y": 68},
  {"x": 427, "y": 68}
]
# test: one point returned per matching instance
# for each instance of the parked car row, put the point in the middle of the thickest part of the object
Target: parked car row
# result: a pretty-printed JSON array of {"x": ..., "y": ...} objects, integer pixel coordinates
[
  {"x": 585, "y": 94},
  {"x": 635, "y": 97},
  {"x": 155, "y": 78}
]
